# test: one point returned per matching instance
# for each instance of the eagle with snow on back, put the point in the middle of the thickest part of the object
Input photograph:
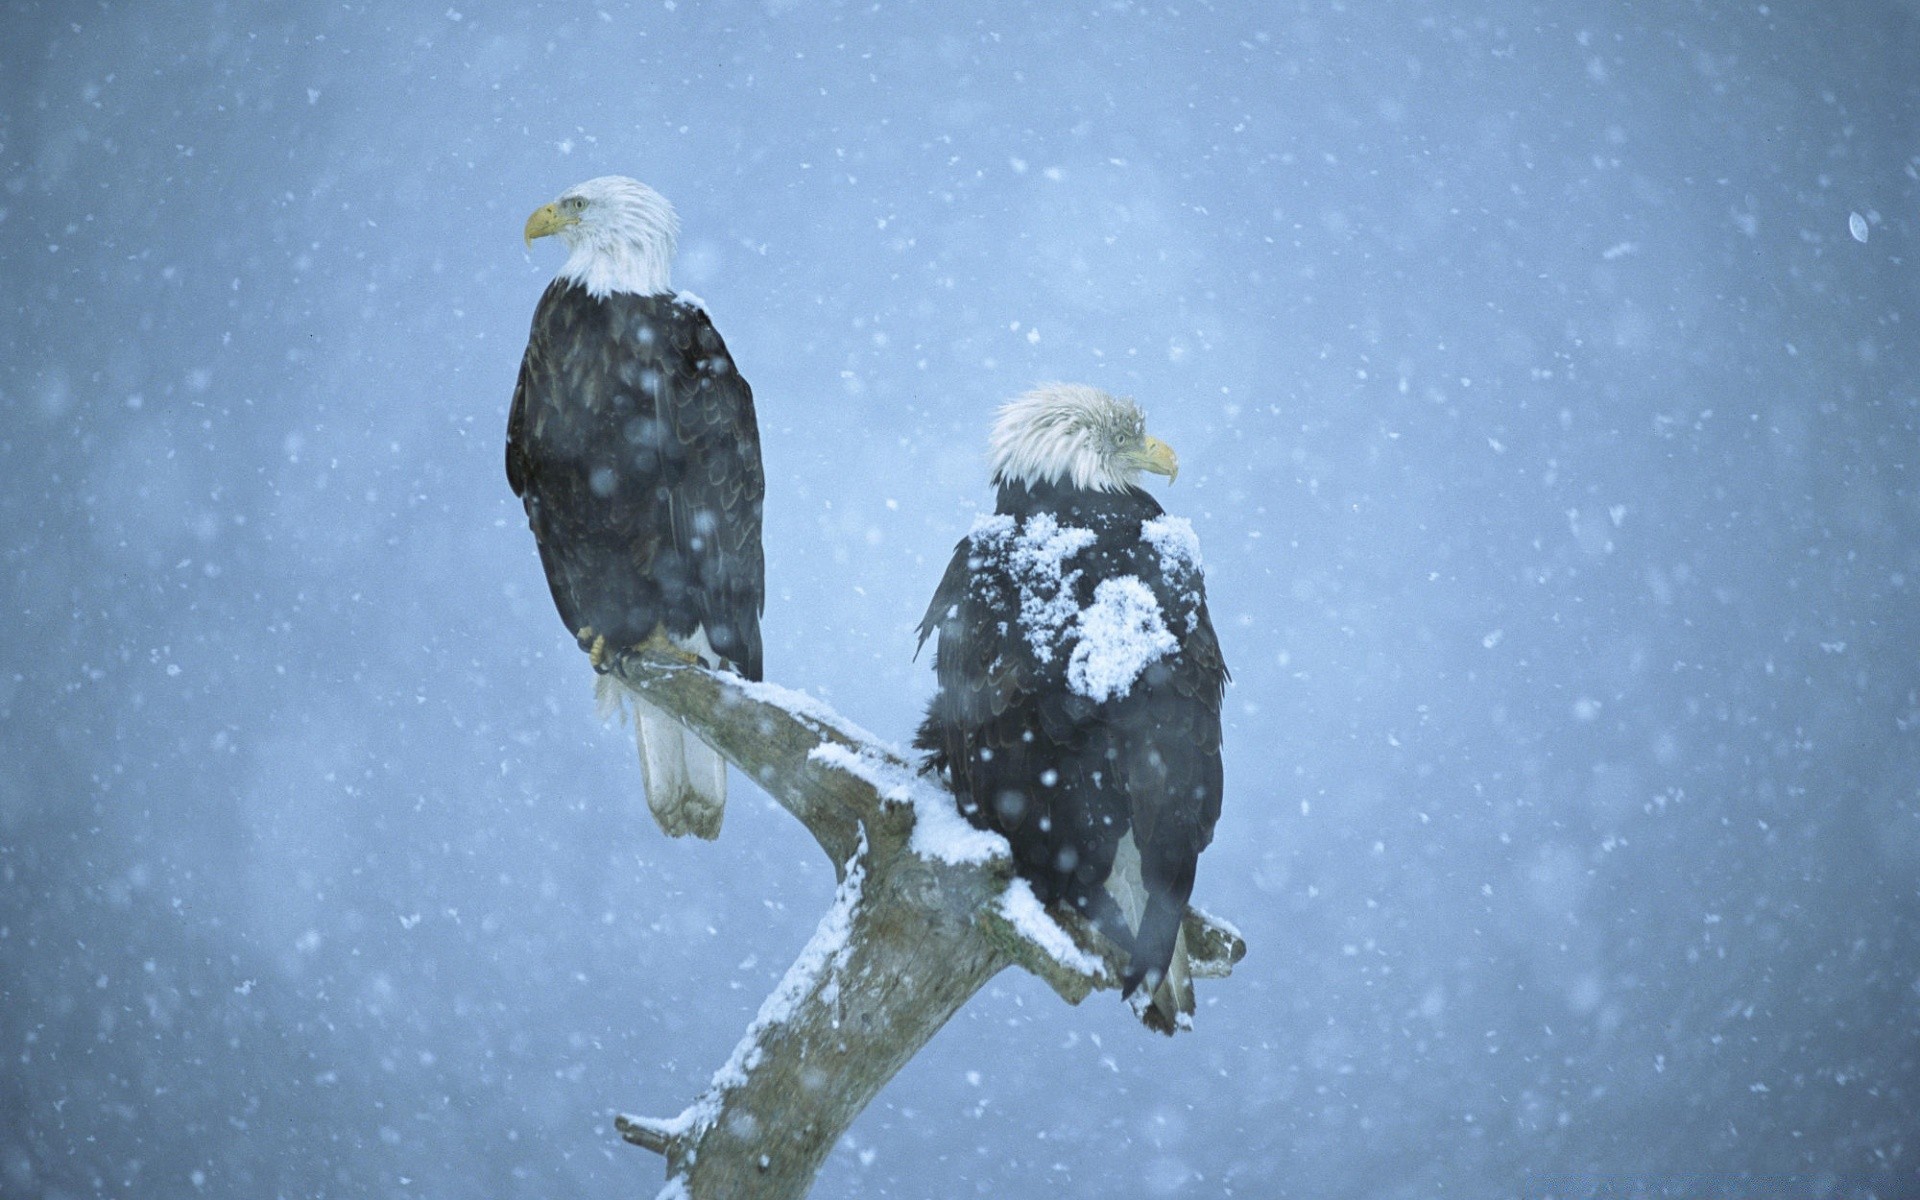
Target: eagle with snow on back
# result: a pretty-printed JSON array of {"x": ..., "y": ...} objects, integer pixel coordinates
[
  {"x": 633, "y": 445},
  {"x": 1080, "y": 682}
]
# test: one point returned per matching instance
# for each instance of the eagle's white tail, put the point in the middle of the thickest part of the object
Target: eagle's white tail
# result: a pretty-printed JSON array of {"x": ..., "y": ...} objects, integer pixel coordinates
[
  {"x": 1172, "y": 998},
  {"x": 686, "y": 780}
]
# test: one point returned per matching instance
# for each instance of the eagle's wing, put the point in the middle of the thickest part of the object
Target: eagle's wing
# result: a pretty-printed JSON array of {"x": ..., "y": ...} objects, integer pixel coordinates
[
  {"x": 717, "y": 504},
  {"x": 532, "y": 392},
  {"x": 1026, "y": 757},
  {"x": 1169, "y": 740},
  {"x": 979, "y": 662},
  {"x": 517, "y": 424}
]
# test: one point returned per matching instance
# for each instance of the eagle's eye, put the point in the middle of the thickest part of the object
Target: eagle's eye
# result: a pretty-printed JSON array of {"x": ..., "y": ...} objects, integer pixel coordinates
[{"x": 573, "y": 204}]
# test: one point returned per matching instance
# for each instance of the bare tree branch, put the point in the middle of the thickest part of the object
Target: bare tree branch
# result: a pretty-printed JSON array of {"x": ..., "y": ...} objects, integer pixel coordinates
[{"x": 927, "y": 910}]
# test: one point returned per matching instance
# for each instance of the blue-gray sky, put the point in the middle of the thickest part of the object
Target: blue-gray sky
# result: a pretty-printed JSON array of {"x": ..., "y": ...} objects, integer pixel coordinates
[{"x": 1544, "y": 383}]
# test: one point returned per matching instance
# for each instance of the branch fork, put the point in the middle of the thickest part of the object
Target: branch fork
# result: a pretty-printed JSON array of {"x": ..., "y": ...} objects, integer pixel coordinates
[{"x": 927, "y": 909}]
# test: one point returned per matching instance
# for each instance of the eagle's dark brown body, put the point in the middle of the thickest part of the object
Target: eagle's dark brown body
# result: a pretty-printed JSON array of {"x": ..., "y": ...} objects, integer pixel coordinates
[
  {"x": 633, "y": 445},
  {"x": 1064, "y": 776}
]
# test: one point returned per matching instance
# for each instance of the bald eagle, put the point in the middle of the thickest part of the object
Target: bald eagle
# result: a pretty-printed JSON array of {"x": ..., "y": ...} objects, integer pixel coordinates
[
  {"x": 633, "y": 445},
  {"x": 1078, "y": 709}
]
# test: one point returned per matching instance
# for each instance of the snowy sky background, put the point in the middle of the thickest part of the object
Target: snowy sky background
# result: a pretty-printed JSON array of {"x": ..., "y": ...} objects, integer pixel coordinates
[{"x": 1549, "y": 433}]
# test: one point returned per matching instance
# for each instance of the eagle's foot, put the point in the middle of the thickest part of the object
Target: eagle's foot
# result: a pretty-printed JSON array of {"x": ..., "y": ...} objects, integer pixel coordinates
[
  {"x": 601, "y": 652},
  {"x": 596, "y": 647},
  {"x": 659, "y": 643}
]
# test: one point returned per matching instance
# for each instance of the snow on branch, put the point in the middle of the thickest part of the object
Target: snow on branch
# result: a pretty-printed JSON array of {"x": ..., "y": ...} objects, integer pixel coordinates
[{"x": 927, "y": 910}]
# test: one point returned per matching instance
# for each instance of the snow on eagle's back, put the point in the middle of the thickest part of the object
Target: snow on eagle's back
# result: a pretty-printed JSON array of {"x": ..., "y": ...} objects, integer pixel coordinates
[
  {"x": 1177, "y": 543},
  {"x": 1120, "y": 634},
  {"x": 1123, "y": 631},
  {"x": 1035, "y": 555}
]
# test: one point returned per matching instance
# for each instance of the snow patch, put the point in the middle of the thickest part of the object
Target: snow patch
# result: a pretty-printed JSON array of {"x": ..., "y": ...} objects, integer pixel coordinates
[
  {"x": 676, "y": 1189},
  {"x": 1221, "y": 923},
  {"x": 1024, "y": 912},
  {"x": 1142, "y": 1000},
  {"x": 807, "y": 709},
  {"x": 821, "y": 963},
  {"x": 669, "y": 1127},
  {"x": 940, "y": 834},
  {"x": 1120, "y": 633},
  {"x": 1035, "y": 556},
  {"x": 989, "y": 527},
  {"x": 1115, "y": 638},
  {"x": 1177, "y": 544}
]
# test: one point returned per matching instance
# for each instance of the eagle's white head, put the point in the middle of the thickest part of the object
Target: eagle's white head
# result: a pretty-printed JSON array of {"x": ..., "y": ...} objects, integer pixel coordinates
[
  {"x": 619, "y": 232},
  {"x": 1077, "y": 433}
]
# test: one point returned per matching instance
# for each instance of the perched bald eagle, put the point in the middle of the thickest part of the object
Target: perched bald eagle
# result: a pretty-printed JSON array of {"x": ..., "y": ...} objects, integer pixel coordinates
[
  {"x": 632, "y": 443},
  {"x": 1078, "y": 711}
]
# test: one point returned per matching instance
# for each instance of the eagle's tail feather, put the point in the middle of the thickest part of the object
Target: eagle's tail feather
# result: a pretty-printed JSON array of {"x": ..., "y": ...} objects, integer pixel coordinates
[
  {"x": 706, "y": 783},
  {"x": 1170, "y": 1005},
  {"x": 686, "y": 780},
  {"x": 1162, "y": 999}
]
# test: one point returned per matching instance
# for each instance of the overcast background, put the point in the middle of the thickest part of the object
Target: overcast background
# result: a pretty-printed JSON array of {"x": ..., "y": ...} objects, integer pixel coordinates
[{"x": 1544, "y": 380}]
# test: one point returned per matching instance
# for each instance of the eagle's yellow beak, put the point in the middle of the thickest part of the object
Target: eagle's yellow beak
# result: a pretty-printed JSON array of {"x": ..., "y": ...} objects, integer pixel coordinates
[
  {"x": 1158, "y": 457},
  {"x": 545, "y": 220}
]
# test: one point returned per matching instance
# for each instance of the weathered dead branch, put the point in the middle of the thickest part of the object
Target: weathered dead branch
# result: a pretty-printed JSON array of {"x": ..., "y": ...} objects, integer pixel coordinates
[{"x": 925, "y": 913}]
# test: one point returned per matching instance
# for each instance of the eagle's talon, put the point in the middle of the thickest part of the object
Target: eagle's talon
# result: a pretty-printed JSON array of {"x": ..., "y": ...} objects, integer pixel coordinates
[
  {"x": 658, "y": 643},
  {"x": 596, "y": 647}
]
